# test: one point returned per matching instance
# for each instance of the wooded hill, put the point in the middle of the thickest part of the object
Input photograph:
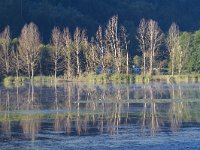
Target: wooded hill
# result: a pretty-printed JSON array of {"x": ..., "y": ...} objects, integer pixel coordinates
[{"x": 89, "y": 14}]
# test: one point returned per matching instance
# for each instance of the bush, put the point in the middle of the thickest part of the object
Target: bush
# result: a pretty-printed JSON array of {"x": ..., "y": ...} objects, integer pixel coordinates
[{"x": 9, "y": 79}]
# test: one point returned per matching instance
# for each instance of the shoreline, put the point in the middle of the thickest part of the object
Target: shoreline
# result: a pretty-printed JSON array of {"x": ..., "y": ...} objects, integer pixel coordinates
[{"x": 104, "y": 79}]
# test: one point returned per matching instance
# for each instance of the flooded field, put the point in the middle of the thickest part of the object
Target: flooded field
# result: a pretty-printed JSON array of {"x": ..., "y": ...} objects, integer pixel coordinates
[{"x": 111, "y": 116}]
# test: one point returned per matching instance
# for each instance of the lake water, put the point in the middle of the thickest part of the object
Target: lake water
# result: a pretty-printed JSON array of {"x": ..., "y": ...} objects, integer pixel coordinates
[{"x": 95, "y": 117}]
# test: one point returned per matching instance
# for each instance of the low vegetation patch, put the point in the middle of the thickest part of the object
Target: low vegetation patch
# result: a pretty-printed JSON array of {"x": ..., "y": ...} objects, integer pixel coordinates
[
  {"x": 104, "y": 78},
  {"x": 168, "y": 78}
]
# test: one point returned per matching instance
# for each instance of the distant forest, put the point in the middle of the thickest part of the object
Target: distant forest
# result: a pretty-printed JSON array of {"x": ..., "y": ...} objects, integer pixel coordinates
[{"x": 89, "y": 14}]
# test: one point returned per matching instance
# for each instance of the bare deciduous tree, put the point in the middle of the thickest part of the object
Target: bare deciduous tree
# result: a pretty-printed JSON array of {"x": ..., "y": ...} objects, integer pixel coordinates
[
  {"x": 100, "y": 46},
  {"x": 150, "y": 40},
  {"x": 113, "y": 40},
  {"x": 154, "y": 40},
  {"x": 57, "y": 52},
  {"x": 141, "y": 37},
  {"x": 92, "y": 58},
  {"x": 68, "y": 52},
  {"x": 77, "y": 46},
  {"x": 16, "y": 63},
  {"x": 5, "y": 41},
  {"x": 29, "y": 51},
  {"x": 173, "y": 44},
  {"x": 125, "y": 45}
]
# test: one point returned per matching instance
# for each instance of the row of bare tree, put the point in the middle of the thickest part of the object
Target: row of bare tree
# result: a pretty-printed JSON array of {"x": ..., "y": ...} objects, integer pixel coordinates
[
  {"x": 74, "y": 54},
  {"x": 71, "y": 55},
  {"x": 151, "y": 38},
  {"x": 20, "y": 56}
]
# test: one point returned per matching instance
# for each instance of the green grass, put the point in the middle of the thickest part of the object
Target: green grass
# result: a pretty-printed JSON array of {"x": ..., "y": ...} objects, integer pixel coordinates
[
  {"x": 104, "y": 78},
  {"x": 10, "y": 81},
  {"x": 168, "y": 78}
]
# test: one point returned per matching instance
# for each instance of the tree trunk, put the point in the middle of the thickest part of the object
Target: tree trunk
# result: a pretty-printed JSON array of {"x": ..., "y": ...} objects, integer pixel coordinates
[
  {"x": 55, "y": 70},
  {"x": 127, "y": 63},
  {"x": 151, "y": 64},
  {"x": 29, "y": 72},
  {"x": 32, "y": 73},
  {"x": 17, "y": 73},
  {"x": 78, "y": 63},
  {"x": 173, "y": 66},
  {"x": 7, "y": 67},
  {"x": 144, "y": 61}
]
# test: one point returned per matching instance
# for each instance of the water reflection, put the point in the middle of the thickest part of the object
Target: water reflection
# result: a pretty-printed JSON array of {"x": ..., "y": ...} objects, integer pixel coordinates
[{"x": 78, "y": 109}]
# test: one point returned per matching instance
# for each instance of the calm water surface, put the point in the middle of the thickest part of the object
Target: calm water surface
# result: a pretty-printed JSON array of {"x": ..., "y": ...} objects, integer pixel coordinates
[{"x": 83, "y": 116}]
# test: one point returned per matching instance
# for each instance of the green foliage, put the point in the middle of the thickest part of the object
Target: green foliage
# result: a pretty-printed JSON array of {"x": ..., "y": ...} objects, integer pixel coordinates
[
  {"x": 122, "y": 77},
  {"x": 194, "y": 53},
  {"x": 9, "y": 80},
  {"x": 104, "y": 78},
  {"x": 45, "y": 60},
  {"x": 137, "y": 60},
  {"x": 168, "y": 78}
]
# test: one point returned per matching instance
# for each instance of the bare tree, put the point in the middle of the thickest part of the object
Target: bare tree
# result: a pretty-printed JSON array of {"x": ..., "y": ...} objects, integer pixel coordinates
[
  {"x": 173, "y": 44},
  {"x": 29, "y": 51},
  {"x": 68, "y": 52},
  {"x": 94, "y": 54},
  {"x": 100, "y": 46},
  {"x": 5, "y": 41},
  {"x": 154, "y": 40},
  {"x": 57, "y": 52},
  {"x": 113, "y": 40},
  {"x": 125, "y": 45},
  {"x": 16, "y": 63},
  {"x": 141, "y": 37},
  {"x": 91, "y": 54},
  {"x": 77, "y": 46},
  {"x": 85, "y": 48}
]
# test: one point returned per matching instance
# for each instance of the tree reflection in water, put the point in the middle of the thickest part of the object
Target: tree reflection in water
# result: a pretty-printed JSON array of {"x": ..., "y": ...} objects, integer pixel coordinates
[
  {"x": 150, "y": 115},
  {"x": 78, "y": 109},
  {"x": 177, "y": 108},
  {"x": 30, "y": 122}
]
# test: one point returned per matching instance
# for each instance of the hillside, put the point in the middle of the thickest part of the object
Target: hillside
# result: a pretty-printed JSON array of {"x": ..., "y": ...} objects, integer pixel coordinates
[{"x": 89, "y": 14}]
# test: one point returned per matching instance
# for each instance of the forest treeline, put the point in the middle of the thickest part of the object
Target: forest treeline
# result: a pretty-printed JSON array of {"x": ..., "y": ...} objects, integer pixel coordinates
[
  {"x": 73, "y": 54},
  {"x": 89, "y": 14}
]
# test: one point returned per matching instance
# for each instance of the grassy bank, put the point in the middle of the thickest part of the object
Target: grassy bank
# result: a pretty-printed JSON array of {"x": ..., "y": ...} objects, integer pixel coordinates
[
  {"x": 104, "y": 78},
  {"x": 22, "y": 80},
  {"x": 91, "y": 78},
  {"x": 168, "y": 78}
]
